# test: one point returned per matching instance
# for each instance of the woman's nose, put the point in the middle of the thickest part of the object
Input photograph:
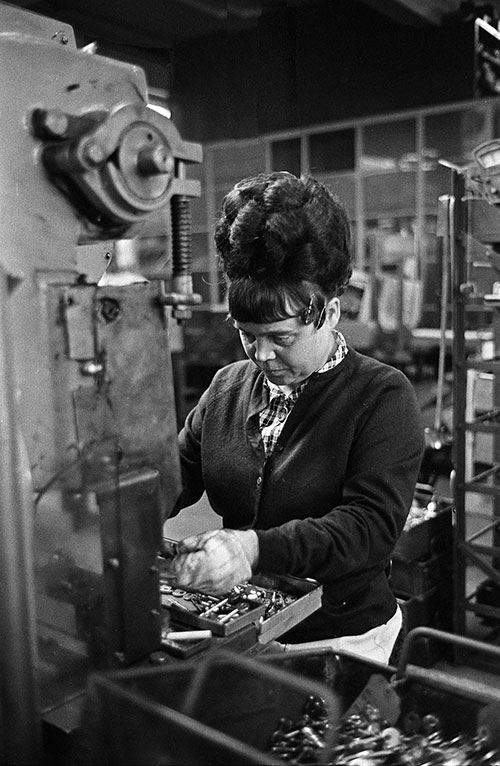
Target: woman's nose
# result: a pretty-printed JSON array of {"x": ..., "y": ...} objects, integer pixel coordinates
[{"x": 263, "y": 350}]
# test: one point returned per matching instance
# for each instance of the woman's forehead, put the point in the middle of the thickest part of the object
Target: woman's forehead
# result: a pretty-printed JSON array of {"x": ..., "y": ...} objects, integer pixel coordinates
[{"x": 291, "y": 324}]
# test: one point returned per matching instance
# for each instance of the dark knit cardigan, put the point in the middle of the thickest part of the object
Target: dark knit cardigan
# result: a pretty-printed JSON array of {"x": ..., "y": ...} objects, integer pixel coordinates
[{"x": 332, "y": 499}]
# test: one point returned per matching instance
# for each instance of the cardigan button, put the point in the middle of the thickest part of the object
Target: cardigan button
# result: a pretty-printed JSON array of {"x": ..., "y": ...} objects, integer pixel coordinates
[{"x": 259, "y": 481}]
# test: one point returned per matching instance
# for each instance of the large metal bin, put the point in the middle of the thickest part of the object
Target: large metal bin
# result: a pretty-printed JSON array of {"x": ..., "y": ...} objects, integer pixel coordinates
[
  {"x": 222, "y": 710},
  {"x": 407, "y": 692}
]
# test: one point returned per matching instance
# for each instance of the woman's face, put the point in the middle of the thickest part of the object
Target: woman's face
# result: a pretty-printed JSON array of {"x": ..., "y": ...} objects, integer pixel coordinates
[{"x": 288, "y": 351}]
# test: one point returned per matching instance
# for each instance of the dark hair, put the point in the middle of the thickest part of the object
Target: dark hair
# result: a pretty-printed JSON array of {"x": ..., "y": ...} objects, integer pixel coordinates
[{"x": 282, "y": 242}]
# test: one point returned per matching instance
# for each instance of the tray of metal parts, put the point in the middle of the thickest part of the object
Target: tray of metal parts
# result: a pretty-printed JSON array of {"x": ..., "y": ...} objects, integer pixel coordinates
[
  {"x": 222, "y": 615},
  {"x": 274, "y": 604},
  {"x": 292, "y": 600}
]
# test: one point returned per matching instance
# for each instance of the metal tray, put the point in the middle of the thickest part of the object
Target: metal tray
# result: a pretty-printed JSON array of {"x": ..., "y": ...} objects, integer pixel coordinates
[
  {"x": 307, "y": 599},
  {"x": 184, "y": 613}
]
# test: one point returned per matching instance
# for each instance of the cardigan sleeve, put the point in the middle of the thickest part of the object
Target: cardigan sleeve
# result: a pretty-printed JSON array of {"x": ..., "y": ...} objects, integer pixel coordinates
[
  {"x": 189, "y": 442},
  {"x": 358, "y": 535}
]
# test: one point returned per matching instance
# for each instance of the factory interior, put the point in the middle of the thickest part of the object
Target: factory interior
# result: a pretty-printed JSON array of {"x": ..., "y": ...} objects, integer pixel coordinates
[{"x": 124, "y": 126}]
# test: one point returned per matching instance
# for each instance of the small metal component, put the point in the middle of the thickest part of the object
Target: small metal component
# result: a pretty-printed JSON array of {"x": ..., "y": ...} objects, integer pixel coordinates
[
  {"x": 53, "y": 122},
  {"x": 311, "y": 735},
  {"x": 113, "y": 563},
  {"x": 180, "y": 299},
  {"x": 430, "y": 724},
  {"x": 228, "y": 617},
  {"x": 170, "y": 602},
  {"x": 391, "y": 736},
  {"x": 155, "y": 160},
  {"x": 188, "y": 635},
  {"x": 90, "y": 368},
  {"x": 214, "y": 608},
  {"x": 466, "y": 288},
  {"x": 93, "y": 153}
]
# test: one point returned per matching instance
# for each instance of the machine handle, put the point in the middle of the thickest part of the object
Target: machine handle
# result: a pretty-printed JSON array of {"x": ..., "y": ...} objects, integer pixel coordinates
[
  {"x": 467, "y": 687},
  {"x": 461, "y": 642}
]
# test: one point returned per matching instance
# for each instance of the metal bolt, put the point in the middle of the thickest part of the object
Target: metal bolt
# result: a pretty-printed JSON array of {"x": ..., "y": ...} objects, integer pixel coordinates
[
  {"x": 113, "y": 563},
  {"x": 55, "y": 123},
  {"x": 311, "y": 735},
  {"x": 155, "y": 160},
  {"x": 94, "y": 153},
  {"x": 466, "y": 288}
]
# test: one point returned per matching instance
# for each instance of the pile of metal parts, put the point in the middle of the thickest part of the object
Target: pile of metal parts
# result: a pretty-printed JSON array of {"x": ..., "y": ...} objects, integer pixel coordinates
[
  {"x": 238, "y": 602},
  {"x": 366, "y": 739}
]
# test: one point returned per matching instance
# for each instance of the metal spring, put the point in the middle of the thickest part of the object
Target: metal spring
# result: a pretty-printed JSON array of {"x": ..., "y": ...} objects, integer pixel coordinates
[{"x": 181, "y": 235}]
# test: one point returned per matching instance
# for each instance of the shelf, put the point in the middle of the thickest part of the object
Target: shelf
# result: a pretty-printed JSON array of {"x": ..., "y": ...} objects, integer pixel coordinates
[
  {"x": 483, "y": 428},
  {"x": 480, "y": 489},
  {"x": 476, "y": 421},
  {"x": 482, "y": 365}
]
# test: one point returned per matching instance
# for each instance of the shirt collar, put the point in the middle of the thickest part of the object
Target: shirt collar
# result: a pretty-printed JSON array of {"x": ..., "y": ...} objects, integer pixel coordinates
[{"x": 339, "y": 355}]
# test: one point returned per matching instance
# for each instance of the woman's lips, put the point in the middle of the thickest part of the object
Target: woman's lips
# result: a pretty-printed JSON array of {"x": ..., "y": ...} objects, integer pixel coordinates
[{"x": 274, "y": 372}]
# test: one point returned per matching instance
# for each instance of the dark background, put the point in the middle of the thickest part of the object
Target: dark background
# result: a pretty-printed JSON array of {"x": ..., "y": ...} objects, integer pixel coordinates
[{"x": 234, "y": 70}]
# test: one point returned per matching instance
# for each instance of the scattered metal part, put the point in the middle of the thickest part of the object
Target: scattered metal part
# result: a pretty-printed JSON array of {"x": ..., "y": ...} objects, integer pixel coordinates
[{"x": 367, "y": 740}]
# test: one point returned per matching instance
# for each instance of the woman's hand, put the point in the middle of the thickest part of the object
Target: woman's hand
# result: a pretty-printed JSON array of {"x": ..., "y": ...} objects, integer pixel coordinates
[{"x": 214, "y": 562}]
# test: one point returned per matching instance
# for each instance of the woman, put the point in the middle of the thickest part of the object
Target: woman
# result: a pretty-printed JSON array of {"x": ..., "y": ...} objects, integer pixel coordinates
[{"x": 308, "y": 450}]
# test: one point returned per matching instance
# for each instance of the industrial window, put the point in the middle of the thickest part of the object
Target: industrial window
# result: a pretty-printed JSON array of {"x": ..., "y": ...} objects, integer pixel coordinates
[
  {"x": 332, "y": 151},
  {"x": 285, "y": 155}
]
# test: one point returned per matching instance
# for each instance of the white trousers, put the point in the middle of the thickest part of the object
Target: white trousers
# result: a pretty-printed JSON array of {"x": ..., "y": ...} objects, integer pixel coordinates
[{"x": 376, "y": 644}]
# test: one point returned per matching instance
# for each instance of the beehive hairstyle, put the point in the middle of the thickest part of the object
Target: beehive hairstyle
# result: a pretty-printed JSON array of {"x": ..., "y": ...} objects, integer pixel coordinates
[{"x": 282, "y": 242}]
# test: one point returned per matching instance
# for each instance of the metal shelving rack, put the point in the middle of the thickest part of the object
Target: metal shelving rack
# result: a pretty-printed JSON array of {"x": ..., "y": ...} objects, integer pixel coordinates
[{"x": 476, "y": 486}]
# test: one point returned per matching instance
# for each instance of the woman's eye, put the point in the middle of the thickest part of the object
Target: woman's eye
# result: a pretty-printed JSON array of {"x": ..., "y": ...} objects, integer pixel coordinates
[{"x": 284, "y": 340}]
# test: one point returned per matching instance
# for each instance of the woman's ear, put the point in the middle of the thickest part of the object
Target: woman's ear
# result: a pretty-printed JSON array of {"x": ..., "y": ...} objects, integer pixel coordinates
[{"x": 333, "y": 313}]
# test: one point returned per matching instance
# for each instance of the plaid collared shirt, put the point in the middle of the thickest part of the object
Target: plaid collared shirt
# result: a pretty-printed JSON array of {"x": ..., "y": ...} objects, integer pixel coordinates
[{"x": 273, "y": 417}]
